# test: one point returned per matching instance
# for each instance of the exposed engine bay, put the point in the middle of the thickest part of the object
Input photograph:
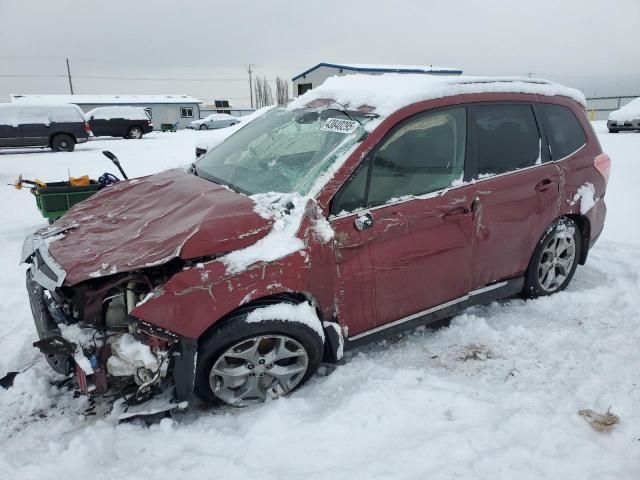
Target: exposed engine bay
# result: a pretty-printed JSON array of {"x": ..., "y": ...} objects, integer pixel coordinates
[{"x": 86, "y": 332}]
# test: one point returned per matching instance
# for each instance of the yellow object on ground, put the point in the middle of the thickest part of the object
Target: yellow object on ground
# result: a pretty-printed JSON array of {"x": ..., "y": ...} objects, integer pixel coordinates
[{"x": 20, "y": 182}]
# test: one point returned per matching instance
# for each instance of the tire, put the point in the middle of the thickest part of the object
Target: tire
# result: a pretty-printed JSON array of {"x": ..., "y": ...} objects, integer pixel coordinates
[
  {"x": 63, "y": 143},
  {"x": 203, "y": 127},
  {"x": 613, "y": 130},
  {"x": 256, "y": 378},
  {"x": 135, "y": 133},
  {"x": 555, "y": 259}
]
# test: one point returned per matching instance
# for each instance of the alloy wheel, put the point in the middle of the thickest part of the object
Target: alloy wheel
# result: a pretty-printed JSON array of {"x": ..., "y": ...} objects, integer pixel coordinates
[
  {"x": 557, "y": 259},
  {"x": 256, "y": 368}
]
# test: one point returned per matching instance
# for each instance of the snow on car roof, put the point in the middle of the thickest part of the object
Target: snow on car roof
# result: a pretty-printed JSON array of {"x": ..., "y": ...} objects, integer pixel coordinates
[
  {"x": 103, "y": 99},
  {"x": 392, "y": 91},
  {"x": 127, "y": 113},
  {"x": 15, "y": 115},
  {"x": 631, "y": 111}
]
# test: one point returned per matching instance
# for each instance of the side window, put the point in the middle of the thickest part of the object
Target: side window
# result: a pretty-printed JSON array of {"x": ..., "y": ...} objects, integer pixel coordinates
[
  {"x": 424, "y": 154},
  {"x": 564, "y": 132},
  {"x": 507, "y": 138},
  {"x": 353, "y": 195}
]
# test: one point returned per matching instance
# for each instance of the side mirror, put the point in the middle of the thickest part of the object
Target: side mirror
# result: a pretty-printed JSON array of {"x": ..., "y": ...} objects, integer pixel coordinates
[{"x": 364, "y": 221}]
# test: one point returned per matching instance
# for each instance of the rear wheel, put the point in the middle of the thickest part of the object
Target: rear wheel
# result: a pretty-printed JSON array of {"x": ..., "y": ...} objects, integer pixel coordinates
[
  {"x": 135, "y": 133},
  {"x": 555, "y": 259},
  {"x": 203, "y": 127},
  {"x": 242, "y": 364},
  {"x": 613, "y": 130},
  {"x": 63, "y": 143}
]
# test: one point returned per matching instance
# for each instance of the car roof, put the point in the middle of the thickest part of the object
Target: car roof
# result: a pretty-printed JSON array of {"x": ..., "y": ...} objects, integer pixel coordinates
[{"x": 387, "y": 93}]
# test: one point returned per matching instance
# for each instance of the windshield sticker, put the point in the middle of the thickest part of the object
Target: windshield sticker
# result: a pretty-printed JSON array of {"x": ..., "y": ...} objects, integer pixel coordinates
[{"x": 339, "y": 125}]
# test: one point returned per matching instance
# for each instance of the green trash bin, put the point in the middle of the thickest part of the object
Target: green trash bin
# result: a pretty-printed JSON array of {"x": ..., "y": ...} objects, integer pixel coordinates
[{"x": 56, "y": 198}]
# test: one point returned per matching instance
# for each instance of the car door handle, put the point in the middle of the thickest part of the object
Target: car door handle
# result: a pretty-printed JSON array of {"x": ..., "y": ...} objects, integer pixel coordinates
[
  {"x": 456, "y": 213},
  {"x": 544, "y": 185}
]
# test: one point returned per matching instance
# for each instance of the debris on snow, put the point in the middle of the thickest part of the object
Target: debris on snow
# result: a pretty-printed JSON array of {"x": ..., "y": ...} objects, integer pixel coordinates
[
  {"x": 600, "y": 422},
  {"x": 475, "y": 351}
]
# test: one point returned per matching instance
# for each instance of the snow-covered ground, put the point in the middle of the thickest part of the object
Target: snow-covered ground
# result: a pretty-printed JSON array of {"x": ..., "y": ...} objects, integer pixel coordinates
[{"x": 494, "y": 395}]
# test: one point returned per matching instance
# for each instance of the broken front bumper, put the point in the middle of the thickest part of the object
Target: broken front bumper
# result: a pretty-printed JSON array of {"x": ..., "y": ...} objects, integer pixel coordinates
[{"x": 183, "y": 353}]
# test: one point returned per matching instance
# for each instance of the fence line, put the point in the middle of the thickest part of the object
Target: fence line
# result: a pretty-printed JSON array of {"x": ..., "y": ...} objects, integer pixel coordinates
[{"x": 599, "y": 108}]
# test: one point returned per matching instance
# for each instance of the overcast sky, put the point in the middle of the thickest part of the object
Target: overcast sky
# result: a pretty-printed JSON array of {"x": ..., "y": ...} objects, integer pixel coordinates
[{"x": 202, "y": 48}]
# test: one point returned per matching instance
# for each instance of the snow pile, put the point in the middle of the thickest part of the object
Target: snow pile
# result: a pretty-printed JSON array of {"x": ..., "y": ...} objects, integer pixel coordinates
[
  {"x": 390, "y": 92},
  {"x": 287, "y": 211},
  {"x": 127, "y": 113},
  {"x": 16, "y": 115},
  {"x": 303, "y": 313},
  {"x": 631, "y": 111},
  {"x": 586, "y": 195}
]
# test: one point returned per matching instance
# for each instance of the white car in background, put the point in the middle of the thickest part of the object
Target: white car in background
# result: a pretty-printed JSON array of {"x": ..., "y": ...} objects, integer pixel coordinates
[
  {"x": 626, "y": 118},
  {"x": 213, "y": 121}
]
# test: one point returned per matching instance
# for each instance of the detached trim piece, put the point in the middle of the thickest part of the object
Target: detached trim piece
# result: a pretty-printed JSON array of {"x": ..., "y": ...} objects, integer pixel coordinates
[{"x": 452, "y": 307}]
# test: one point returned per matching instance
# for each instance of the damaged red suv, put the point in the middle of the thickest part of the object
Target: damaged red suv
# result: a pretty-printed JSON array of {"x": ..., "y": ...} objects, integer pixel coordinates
[{"x": 366, "y": 206}]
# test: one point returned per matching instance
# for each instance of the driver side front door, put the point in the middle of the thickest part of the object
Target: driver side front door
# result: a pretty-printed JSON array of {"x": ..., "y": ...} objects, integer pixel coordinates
[{"x": 404, "y": 224}]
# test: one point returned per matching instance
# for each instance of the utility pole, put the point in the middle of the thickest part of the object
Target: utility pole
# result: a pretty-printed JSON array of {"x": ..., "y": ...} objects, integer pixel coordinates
[
  {"x": 69, "y": 77},
  {"x": 250, "y": 86}
]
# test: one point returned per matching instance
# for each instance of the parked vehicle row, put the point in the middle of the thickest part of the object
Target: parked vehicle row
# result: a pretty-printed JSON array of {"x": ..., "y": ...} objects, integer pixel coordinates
[{"x": 449, "y": 193}]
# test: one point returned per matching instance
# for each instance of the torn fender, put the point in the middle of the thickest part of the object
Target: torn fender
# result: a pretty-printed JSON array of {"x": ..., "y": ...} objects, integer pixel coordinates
[{"x": 196, "y": 298}]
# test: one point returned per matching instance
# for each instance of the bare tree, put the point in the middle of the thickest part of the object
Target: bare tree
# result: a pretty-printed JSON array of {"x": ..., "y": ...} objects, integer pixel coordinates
[
  {"x": 264, "y": 95},
  {"x": 282, "y": 91}
]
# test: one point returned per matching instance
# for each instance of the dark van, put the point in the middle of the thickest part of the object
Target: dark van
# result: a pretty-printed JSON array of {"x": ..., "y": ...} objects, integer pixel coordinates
[
  {"x": 58, "y": 127},
  {"x": 127, "y": 122}
]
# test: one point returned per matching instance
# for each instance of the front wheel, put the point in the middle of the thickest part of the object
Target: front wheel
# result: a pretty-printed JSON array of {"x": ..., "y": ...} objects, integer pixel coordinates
[
  {"x": 243, "y": 363},
  {"x": 613, "y": 130},
  {"x": 555, "y": 260},
  {"x": 203, "y": 127}
]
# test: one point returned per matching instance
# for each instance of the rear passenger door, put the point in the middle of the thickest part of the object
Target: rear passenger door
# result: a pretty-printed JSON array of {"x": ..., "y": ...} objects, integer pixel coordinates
[{"x": 516, "y": 189}]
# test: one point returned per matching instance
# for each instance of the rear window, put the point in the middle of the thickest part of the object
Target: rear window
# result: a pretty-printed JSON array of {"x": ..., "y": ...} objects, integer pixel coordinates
[
  {"x": 564, "y": 132},
  {"x": 507, "y": 138}
]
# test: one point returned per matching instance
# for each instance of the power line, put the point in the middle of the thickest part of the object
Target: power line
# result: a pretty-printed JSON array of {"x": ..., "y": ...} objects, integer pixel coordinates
[{"x": 105, "y": 77}]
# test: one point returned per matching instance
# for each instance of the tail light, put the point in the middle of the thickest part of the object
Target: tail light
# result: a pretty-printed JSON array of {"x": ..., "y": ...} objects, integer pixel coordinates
[
  {"x": 150, "y": 123},
  {"x": 603, "y": 163},
  {"x": 87, "y": 128}
]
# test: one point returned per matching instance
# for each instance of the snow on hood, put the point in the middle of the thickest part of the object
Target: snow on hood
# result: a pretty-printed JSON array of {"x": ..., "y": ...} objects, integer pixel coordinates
[
  {"x": 631, "y": 111},
  {"x": 149, "y": 221},
  {"x": 392, "y": 91}
]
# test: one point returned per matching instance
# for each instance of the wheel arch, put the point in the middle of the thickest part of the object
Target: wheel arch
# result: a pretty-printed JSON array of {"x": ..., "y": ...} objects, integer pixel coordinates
[
  {"x": 56, "y": 134},
  {"x": 333, "y": 344},
  {"x": 584, "y": 225}
]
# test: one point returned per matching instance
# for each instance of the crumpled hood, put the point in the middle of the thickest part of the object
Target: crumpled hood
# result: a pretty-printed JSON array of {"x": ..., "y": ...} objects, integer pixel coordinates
[{"x": 150, "y": 220}]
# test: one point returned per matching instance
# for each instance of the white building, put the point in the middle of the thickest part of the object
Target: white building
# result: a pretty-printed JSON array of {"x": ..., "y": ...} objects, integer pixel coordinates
[
  {"x": 163, "y": 109},
  {"x": 316, "y": 75}
]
